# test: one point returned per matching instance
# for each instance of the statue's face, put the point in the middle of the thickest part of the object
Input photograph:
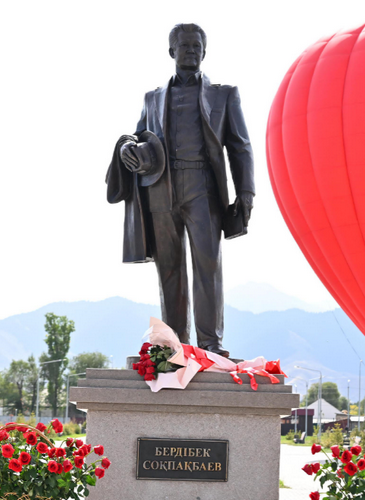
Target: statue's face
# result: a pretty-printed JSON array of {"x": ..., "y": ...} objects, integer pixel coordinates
[{"x": 189, "y": 50}]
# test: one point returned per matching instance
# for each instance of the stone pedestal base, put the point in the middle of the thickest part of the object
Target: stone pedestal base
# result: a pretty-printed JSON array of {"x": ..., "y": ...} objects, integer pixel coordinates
[{"x": 121, "y": 409}]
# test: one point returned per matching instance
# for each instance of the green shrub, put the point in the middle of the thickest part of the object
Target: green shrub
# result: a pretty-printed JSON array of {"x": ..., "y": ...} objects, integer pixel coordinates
[
  {"x": 71, "y": 428},
  {"x": 21, "y": 419}
]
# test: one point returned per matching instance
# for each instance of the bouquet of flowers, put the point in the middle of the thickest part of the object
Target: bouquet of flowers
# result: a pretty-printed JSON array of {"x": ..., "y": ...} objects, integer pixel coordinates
[
  {"x": 344, "y": 472},
  {"x": 154, "y": 360},
  {"x": 32, "y": 466}
]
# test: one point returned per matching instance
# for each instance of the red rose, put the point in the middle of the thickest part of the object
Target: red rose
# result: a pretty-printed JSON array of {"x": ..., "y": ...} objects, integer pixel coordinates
[
  {"x": 314, "y": 495},
  {"x": 22, "y": 428},
  {"x": 83, "y": 451},
  {"x": 70, "y": 442},
  {"x": 67, "y": 465},
  {"x": 60, "y": 452},
  {"x": 150, "y": 369},
  {"x": 59, "y": 468},
  {"x": 7, "y": 450},
  {"x": 308, "y": 469},
  {"x": 149, "y": 376},
  {"x": 57, "y": 426},
  {"x": 340, "y": 473},
  {"x": 335, "y": 451},
  {"x": 53, "y": 466},
  {"x": 79, "y": 462},
  {"x": 51, "y": 452},
  {"x": 350, "y": 469},
  {"x": 99, "y": 450},
  {"x": 316, "y": 448},
  {"x": 25, "y": 458},
  {"x": 41, "y": 427},
  {"x": 141, "y": 370},
  {"x": 99, "y": 472},
  {"x": 79, "y": 442},
  {"x": 11, "y": 428},
  {"x": 356, "y": 450},
  {"x": 4, "y": 435},
  {"x": 106, "y": 463},
  {"x": 145, "y": 348},
  {"x": 31, "y": 438},
  {"x": 361, "y": 464},
  {"x": 15, "y": 465},
  {"x": 346, "y": 456},
  {"x": 42, "y": 448},
  {"x": 316, "y": 467}
]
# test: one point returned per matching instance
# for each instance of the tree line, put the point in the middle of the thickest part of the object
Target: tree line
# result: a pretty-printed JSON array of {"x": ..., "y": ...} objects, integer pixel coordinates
[
  {"x": 18, "y": 383},
  {"x": 332, "y": 395}
]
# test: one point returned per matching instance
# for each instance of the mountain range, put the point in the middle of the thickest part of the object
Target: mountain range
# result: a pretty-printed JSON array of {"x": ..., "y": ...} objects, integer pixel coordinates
[{"x": 115, "y": 326}]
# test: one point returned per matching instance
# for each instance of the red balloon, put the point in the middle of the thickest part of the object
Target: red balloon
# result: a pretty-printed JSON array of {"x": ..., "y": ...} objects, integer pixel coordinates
[{"x": 315, "y": 149}]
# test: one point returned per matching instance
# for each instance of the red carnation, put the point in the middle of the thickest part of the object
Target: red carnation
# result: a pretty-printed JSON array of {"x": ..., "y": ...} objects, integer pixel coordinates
[
  {"x": 67, "y": 465},
  {"x": 335, "y": 451},
  {"x": 361, "y": 464},
  {"x": 316, "y": 467},
  {"x": 106, "y": 463},
  {"x": 346, "y": 456},
  {"x": 41, "y": 427},
  {"x": 99, "y": 450},
  {"x": 31, "y": 438},
  {"x": 60, "y": 452},
  {"x": 15, "y": 465},
  {"x": 25, "y": 458},
  {"x": 316, "y": 448},
  {"x": 51, "y": 452},
  {"x": 314, "y": 495},
  {"x": 53, "y": 466},
  {"x": 42, "y": 448},
  {"x": 308, "y": 469},
  {"x": 7, "y": 450},
  {"x": 356, "y": 450},
  {"x": 350, "y": 469},
  {"x": 11, "y": 428},
  {"x": 70, "y": 442},
  {"x": 22, "y": 428},
  {"x": 79, "y": 442},
  {"x": 4, "y": 435},
  {"x": 79, "y": 462},
  {"x": 99, "y": 472}
]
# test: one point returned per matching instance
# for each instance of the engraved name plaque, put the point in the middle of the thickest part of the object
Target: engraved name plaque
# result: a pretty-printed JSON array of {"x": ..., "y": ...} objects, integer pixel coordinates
[{"x": 182, "y": 459}]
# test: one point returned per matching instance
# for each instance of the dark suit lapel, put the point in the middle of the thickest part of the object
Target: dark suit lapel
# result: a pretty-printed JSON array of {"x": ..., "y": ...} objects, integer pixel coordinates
[
  {"x": 161, "y": 95},
  {"x": 208, "y": 96}
]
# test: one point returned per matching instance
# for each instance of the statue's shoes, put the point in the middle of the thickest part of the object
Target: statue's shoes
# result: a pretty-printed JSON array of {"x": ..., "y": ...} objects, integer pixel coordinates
[{"x": 217, "y": 349}]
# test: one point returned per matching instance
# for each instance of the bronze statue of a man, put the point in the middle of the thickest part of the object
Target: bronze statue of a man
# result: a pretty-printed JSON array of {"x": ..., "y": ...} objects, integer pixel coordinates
[{"x": 185, "y": 192}]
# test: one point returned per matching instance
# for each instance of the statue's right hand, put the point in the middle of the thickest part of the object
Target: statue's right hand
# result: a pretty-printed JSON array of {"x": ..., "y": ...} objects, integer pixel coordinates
[{"x": 128, "y": 157}]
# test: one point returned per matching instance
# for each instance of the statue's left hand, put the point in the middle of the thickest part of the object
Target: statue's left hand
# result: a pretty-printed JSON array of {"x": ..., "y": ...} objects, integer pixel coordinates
[{"x": 245, "y": 200}]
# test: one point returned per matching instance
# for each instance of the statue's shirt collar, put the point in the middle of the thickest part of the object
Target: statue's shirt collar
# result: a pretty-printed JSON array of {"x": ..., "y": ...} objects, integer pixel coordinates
[{"x": 192, "y": 80}]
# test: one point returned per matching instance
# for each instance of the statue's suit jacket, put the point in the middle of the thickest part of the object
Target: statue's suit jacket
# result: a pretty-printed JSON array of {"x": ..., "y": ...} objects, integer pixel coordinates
[{"x": 223, "y": 125}]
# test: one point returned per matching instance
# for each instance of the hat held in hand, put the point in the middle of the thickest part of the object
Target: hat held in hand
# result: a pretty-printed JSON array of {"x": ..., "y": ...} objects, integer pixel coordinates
[{"x": 151, "y": 158}]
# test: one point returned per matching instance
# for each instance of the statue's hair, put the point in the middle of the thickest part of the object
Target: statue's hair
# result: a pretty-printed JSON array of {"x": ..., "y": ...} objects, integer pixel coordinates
[{"x": 188, "y": 28}]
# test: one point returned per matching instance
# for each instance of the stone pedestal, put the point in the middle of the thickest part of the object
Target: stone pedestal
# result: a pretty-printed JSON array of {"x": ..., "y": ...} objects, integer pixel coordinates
[{"x": 121, "y": 408}]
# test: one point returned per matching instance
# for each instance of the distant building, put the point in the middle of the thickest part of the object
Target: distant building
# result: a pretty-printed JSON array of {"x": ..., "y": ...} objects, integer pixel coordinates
[
  {"x": 298, "y": 414},
  {"x": 328, "y": 411}
]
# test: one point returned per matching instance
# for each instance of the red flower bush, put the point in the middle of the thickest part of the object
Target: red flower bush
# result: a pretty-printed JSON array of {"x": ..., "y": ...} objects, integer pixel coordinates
[
  {"x": 343, "y": 473},
  {"x": 54, "y": 474}
]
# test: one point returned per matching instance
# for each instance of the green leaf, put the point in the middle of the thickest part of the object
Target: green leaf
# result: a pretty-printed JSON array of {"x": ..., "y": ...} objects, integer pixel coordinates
[
  {"x": 91, "y": 480},
  {"x": 86, "y": 492},
  {"x": 61, "y": 483}
]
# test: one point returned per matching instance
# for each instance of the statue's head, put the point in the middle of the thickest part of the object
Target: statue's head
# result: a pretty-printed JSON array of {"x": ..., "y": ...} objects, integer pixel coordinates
[{"x": 187, "y": 45}]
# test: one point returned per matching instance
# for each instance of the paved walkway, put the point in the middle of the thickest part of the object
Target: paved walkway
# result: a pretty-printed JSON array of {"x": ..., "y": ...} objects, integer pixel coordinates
[{"x": 292, "y": 459}]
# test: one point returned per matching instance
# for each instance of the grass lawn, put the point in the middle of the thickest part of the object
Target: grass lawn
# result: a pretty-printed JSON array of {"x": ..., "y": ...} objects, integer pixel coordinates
[
  {"x": 284, "y": 440},
  {"x": 75, "y": 436}
]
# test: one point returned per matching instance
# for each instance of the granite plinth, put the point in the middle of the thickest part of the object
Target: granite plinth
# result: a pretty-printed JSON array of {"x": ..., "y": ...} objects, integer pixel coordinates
[{"x": 122, "y": 408}]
